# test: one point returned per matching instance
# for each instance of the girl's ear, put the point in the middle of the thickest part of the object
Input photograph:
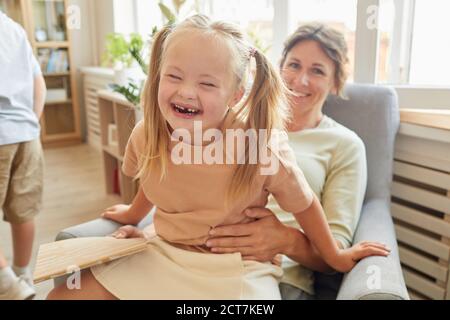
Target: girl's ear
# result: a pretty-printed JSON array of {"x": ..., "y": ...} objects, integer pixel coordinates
[{"x": 239, "y": 94}]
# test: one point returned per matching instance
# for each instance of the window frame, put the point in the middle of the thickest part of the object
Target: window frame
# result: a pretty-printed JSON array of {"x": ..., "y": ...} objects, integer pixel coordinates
[{"x": 366, "y": 50}]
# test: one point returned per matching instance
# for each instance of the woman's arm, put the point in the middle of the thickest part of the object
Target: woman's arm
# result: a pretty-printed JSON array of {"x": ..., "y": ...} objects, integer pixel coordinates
[
  {"x": 130, "y": 214},
  {"x": 266, "y": 237}
]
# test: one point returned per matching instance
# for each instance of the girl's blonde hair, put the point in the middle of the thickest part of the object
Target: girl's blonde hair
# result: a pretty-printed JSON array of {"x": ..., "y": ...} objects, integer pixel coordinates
[
  {"x": 332, "y": 43},
  {"x": 264, "y": 108}
]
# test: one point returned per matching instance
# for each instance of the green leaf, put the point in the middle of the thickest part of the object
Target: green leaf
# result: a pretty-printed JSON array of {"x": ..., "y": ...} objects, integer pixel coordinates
[{"x": 168, "y": 14}]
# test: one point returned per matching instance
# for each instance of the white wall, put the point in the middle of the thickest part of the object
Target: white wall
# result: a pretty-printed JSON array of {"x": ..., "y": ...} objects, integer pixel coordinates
[{"x": 97, "y": 21}]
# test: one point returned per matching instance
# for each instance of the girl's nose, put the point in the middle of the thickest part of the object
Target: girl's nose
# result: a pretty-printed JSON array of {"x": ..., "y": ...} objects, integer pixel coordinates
[{"x": 187, "y": 92}]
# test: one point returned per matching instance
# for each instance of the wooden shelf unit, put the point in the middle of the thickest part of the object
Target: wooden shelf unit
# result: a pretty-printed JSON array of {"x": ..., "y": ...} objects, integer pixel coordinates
[
  {"x": 60, "y": 122},
  {"x": 115, "y": 110}
]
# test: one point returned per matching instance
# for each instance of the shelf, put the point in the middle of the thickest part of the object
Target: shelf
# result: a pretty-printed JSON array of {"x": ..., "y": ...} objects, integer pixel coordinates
[
  {"x": 114, "y": 109},
  {"x": 113, "y": 151},
  {"x": 62, "y": 102},
  {"x": 115, "y": 97},
  {"x": 52, "y": 44},
  {"x": 57, "y": 74},
  {"x": 439, "y": 119}
]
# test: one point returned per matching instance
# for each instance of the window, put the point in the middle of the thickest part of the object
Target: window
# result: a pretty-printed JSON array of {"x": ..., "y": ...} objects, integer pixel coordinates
[
  {"x": 148, "y": 16},
  {"x": 255, "y": 16},
  {"x": 430, "y": 63},
  {"x": 413, "y": 45}
]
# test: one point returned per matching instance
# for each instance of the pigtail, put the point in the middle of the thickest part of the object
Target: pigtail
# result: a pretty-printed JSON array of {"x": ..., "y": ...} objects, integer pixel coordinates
[
  {"x": 157, "y": 135},
  {"x": 266, "y": 108}
]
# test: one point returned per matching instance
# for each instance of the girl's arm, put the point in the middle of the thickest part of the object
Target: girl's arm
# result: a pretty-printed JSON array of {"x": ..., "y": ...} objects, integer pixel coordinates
[
  {"x": 316, "y": 228},
  {"x": 130, "y": 214},
  {"x": 300, "y": 249},
  {"x": 264, "y": 238}
]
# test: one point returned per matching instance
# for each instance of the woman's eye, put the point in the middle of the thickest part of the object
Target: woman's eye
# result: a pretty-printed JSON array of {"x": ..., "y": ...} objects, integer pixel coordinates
[
  {"x": 294, "y": 65},
  {"x": 318, "y": 71},
  {"x": 208, "y": 84}
]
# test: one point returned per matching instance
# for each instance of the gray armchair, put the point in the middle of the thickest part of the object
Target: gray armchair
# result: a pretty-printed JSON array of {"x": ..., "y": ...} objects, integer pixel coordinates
[{"x": 372, "y": 112}]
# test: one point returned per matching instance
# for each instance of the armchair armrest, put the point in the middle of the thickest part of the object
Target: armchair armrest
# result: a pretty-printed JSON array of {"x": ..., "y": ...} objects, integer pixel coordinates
[
  {"x": 361, "y": 283},
  {"x": 94, "y": 228},
  {"x": 97, "y": 228}
]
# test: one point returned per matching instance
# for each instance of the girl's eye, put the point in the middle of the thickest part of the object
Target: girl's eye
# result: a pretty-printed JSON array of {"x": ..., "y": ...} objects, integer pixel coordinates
[
  {"x": 174, "y": 77},
  {"x": 208, "y": 84}
]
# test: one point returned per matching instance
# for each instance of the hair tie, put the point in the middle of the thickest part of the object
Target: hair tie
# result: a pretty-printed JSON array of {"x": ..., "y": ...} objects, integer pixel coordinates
[{"x": 252, "y": 52}]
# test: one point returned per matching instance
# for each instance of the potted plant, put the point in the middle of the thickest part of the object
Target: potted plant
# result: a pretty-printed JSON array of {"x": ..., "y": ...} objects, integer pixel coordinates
[{"x": 118, "y": 55}]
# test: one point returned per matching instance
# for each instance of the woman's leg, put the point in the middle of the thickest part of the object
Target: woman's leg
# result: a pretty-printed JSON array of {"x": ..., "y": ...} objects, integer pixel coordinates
[
  {"x": 90, "y": 289},
  {"x": 289, "y": 292}
]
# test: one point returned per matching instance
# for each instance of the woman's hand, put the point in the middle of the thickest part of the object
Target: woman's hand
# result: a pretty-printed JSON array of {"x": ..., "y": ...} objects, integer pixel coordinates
[
  {"x": 348, "y": 258},
  {"x": 126, "y": 232},
  {"x": 118, "y": 213},
  {"x": 260, "y": 240}
]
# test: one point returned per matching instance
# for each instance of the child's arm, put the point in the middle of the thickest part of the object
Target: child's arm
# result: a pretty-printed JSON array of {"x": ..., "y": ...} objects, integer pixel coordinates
[
  {"x": 130, "y": 214},
  {"x": 314, "y": 223},
  {"x": 40, "y": 91}
]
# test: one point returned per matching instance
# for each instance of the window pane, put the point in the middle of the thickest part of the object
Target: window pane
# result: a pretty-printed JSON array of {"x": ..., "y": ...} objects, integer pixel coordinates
[
  {"x": 430, "y": 54},
  {"x": 339, "y": 14},
  {"x": 414, "y": 47},
  {"x": 255, "y": 16},
  {"x": 148, "y": 16},
  {"x": 390, "y": 69}
]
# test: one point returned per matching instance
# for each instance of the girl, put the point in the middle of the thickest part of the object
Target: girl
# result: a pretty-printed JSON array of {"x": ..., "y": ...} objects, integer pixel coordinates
[{"x": 197, "y": 76}]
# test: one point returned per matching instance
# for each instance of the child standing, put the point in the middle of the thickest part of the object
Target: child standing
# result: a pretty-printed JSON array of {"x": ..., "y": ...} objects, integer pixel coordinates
[
  {"x": 22, "y": 96},
  {"x": 197, "y": 78}
]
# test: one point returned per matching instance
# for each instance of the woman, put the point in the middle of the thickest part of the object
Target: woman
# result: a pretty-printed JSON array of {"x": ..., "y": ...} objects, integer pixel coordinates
[{"x": 331, "y": 156}]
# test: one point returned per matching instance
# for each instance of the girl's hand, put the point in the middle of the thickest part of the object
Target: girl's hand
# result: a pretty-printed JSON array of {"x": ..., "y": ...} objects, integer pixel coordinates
[
  {"x": 348, "y": 258},
  {"x": 126, "y": 232},
  {"x": 118, "y": 213}
]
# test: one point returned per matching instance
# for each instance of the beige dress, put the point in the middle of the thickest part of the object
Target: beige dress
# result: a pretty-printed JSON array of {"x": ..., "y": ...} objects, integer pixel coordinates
[{"x": 190, "y": 201}]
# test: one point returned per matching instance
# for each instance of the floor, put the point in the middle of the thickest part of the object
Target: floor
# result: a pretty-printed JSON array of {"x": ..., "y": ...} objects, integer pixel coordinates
[{"x": 74, "y": 192}]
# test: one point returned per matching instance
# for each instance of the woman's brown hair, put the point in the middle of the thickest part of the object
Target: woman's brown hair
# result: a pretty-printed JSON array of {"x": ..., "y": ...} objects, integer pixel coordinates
[{"x": 332, "y": 43}]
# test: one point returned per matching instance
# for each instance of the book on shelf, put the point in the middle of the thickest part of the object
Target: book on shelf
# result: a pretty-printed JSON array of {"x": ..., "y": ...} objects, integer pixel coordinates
[{"x": 53, "y": 60}]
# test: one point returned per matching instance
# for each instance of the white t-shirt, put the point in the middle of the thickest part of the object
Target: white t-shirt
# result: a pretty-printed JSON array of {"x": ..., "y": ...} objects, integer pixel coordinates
[{"x": 18, "y": 69}]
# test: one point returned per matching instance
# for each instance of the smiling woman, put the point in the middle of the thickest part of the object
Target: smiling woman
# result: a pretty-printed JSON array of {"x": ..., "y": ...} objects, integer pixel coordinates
[{"x": 331, "y": 156}]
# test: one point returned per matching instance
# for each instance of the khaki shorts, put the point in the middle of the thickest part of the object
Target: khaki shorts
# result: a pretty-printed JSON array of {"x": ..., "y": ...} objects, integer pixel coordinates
[{"x": 21, "y": 181}]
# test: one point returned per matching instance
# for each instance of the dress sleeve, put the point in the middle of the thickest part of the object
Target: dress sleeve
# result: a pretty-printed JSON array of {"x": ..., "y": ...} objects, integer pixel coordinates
[{"x": 133, "y": 151}]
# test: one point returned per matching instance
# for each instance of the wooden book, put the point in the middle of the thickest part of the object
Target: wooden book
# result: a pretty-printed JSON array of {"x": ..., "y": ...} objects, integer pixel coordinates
[{"x": 63, "y": 257}]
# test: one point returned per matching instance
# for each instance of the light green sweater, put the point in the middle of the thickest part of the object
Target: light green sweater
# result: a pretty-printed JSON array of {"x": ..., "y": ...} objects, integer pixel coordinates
[{"x": 333, "y": 160}]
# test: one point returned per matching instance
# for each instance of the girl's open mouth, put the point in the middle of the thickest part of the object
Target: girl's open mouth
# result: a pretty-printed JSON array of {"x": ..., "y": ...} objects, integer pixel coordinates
[{"x": 184, "y": 110}]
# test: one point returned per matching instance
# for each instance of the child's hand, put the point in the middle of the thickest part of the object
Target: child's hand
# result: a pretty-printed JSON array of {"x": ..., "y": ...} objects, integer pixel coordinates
[
  {"x": 348, "y": 258},
  {"x": 118, "y": 213},
  {"x": 126, "y": 232}
]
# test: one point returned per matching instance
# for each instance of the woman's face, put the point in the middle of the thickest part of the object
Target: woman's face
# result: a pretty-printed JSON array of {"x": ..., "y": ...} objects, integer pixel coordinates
[{"x": 310, "y": 75}]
